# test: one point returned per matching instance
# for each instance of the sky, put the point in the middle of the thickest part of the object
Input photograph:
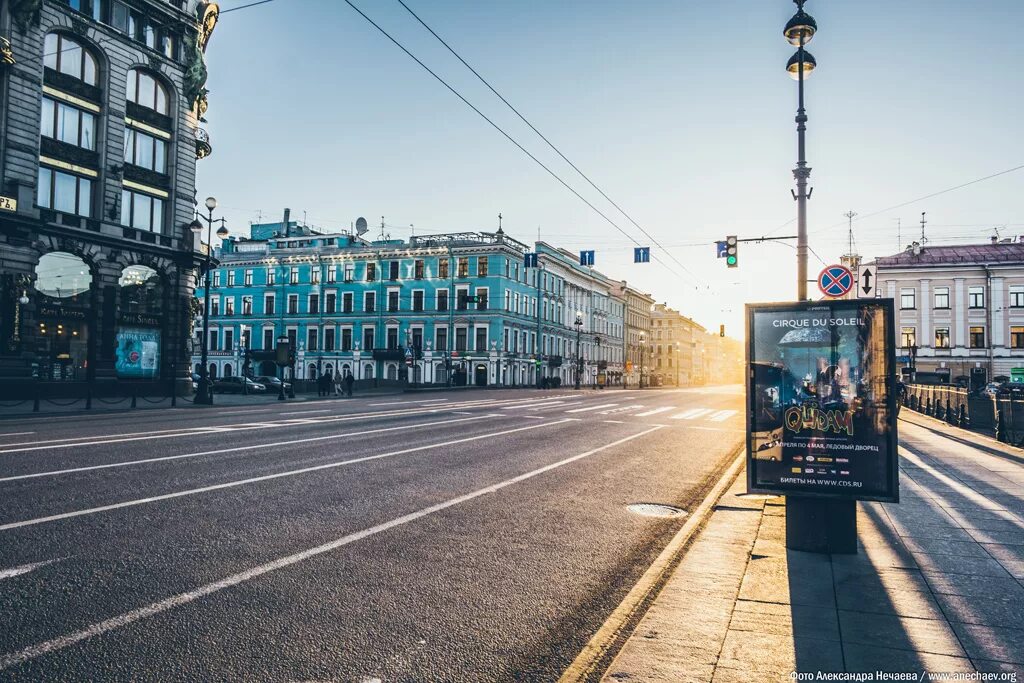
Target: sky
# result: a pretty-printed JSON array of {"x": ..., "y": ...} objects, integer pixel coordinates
[{"x": 680, "y": 111}]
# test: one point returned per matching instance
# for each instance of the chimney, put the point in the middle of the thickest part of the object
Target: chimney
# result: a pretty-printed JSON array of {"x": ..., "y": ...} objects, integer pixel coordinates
[{"x": 995, "y": 239}]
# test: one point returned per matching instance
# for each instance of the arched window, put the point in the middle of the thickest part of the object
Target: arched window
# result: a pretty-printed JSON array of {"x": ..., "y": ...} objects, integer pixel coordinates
[
  {"x": 368, "y": 371},
  {"x": 213, "y": 371},
  {"x": 227, "y": 370},
  {"x": 146, "y": 91},
  {"x": 141, "y": 290},
  {"x": 69, "y": 57}
]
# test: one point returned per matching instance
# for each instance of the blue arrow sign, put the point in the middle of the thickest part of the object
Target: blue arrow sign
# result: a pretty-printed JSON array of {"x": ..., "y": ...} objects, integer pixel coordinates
[
  {"x": 587, "y": 258},
  {"x": 722, "y": 249},
  {"x": 642, "y": 255},
  {"x": 530, "y": 260}
]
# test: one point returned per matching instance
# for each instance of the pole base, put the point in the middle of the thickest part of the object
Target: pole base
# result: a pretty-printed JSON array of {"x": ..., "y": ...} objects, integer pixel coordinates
[{"x": 819, "y": 525}]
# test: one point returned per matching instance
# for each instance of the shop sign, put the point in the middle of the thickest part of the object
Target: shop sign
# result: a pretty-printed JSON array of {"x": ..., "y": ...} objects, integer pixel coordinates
[
  {"x": 821, "y": 413},
  {"x": 49, "y": 311},
  {"x": 8, "y": 203},
  {"x": 140, "y": 319},
  {"x": 138, "y": 352}
]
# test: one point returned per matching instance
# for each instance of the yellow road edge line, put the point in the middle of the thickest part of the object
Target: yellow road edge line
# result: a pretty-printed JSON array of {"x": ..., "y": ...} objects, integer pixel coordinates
[{"x": 590, "y": 657}]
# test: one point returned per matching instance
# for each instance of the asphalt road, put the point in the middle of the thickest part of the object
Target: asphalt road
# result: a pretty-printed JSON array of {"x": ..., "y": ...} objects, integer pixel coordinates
[{"x": 471, "y": 536}]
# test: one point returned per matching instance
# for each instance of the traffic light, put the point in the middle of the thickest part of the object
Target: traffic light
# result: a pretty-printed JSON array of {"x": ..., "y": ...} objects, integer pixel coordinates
[
  {"x": 721, "y": 330},
  {"x": 732, "y": 258}
]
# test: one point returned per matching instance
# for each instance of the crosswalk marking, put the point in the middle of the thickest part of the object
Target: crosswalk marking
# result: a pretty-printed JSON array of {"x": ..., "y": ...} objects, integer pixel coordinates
[
  {"x": 619, "y": 410},
  {"x": 692, "y": 414},
  {"x": 546, "y": 405},
  {"x": 584, "y": 410},
  {"x": 722, "y": 415},
  {"x": 655, "y": 411}
]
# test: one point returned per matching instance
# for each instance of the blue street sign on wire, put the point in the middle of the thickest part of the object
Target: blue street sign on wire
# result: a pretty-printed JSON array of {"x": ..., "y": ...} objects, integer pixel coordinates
[
  {"x": 642, "y": 255},
  {"x": 587, "y": 258},
  {"x": 530, "y": 259},
  {"x": 722, "y": 249}
]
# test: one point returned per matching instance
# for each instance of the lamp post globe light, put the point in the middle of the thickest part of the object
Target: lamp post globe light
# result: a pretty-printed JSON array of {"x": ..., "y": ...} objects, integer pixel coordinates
[
  {"x": 205, "y": 392},
  {"x": 579, "y": 357},
  {"x": 798, "y": 32},
  {"x": 643, "y": 341}
]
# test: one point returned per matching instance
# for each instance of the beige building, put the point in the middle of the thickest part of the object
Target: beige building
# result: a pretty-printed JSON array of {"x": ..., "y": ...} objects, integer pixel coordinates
[
  {"x": 637, "y": 333},
  {"x": 677, "y": 349},
  {"x": 960, "y": 307}
]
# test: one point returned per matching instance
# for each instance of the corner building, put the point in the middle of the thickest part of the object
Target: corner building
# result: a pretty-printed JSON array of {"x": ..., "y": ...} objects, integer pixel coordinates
[
  {"x": 99, "y": 140},
  {"x": 456, "y": 308}
]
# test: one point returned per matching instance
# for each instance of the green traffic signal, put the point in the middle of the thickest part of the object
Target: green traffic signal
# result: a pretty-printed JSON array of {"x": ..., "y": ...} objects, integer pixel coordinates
[{"x": 731, "y": 260}]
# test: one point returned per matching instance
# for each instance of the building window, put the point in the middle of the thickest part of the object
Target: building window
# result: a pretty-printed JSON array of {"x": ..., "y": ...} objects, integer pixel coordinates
[
  {"x": 942, "y": 337},
  {"x": 942, "y": 297},
  {"x": 371, "y": 272},
  {"x": 293, "y": 304},
  {"x": 268, "y": 304},
  {"x": 329, "y": 339},
  {"x": 314, "y": 275},
  {"x": 247, "y": 278},
  {"x": 1016, "y": 337},
  {"x": 67, "y": 56},
  {"x": 346, "y": 339},
  {"x": 271, "y": 276},
  {"x": 370, "y": 302},
  {"x": 977, "y": 337},
  {"x": 142, "y": 211},
  {"x": 481, "y": 339},
  {"x": 417, "y": 272},
  {"x": 145, "y": 151},
  {"x": 246, "y": 305},
  {"x": 311, "y": 339},
  {"x": 908, "y": 298},
  {"x": 908, "y": 338},
  {"x": 332, "y": 274},
  {"x": 393, "y": 270},
  {"x": 229, "y": 305},
  {"x": 216, "y": 278},
  {"x": 346, "y": 302},
  {"x": 268, "y": 339},
  {"x": 392, "y": 334},
  {"x": 215, "y": 306},
  {"x": 68, "y": 124},
  {"x": 231, "y": 278},
  {"x": 393, "y": 299},
  {"x": 442, "y": 268},
  {"x": 442, "y": 299},
  {"x": 976, "y": 297},
  {"x": 481, "y": 266},
  {"x": 1016, "y": 296},
  {"x": 293, "y": 275},
  {"x": 417, "y": 338},
  {"x": 314, "y": 304},
  {"x": 463, "y": 266},
  {"x": 481, "y": 299},
  {"x": 460, "y": 339},
  {"x": 145, "y": 91},
  {"x": 330, "y": 303},
  {"x": 441, "y": 339},
  {"x": 417, "y": 300},
  {"x": 460, "y": 299},
  {"x": 64, "y": 192}
]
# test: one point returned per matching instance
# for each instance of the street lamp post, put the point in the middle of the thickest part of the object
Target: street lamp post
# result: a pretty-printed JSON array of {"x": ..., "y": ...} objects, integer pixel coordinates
[
  {"x": 799, "y": 31},
  {"x": 643, "y": 344},
  {"x": 205, "y": 393},
  {"x": 579, "y": 358}
]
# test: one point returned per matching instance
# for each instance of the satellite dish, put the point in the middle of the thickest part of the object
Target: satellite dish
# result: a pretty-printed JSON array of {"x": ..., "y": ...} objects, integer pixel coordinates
[{"x": 361, "y": 226}]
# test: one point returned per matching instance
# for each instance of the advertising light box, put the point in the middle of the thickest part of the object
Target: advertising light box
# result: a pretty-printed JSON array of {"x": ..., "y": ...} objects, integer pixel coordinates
[{"x": 821, "y": 399}]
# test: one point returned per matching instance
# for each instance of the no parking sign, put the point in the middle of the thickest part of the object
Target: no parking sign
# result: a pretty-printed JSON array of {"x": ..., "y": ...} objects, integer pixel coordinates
[{"x": 835, "y": 281}]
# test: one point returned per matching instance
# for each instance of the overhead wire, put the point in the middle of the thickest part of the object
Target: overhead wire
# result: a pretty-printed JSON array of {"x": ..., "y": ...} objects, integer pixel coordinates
[
  {"x": 542, "y": 136},
  {"x": 512, "y": 139}
]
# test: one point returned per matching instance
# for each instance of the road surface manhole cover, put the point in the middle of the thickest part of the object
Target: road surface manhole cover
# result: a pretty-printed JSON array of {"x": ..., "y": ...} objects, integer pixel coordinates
[{"x": 655, "y": 510}]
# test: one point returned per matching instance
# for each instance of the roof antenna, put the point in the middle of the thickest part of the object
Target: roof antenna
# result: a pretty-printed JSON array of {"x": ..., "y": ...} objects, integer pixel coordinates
[
  {"x": 923, "y": 222},
  {"x": 899, "y": 241}
]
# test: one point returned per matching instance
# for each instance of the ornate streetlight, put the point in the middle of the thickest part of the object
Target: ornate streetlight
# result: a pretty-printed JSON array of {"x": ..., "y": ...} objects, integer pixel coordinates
[
  {"x": 579, "y": 358},
  {"x": 799, "y": 31},
  {"x": 205, "y": 393},
  {"x": 643, "y": 350}
]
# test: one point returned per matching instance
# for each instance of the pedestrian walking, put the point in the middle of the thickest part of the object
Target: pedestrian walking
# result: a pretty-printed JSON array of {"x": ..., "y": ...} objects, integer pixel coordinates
[{"x": 349, "y": 381}]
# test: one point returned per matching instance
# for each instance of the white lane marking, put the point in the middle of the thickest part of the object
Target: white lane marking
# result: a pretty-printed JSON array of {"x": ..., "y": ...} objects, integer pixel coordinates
[
  {"x": 614, "y": 422},
  {"x": 584, "y": 410},
  {"x": 534, "y": 417},
  {"x": 243, "y": 412},
  {"x": 266, "y": 477},
  {"x": 691, "y": 414},
  {"x": 306, "y": 412},
  {"x": 619, "y": 410},
  {"x": 25, "y": 568},
  {"x": 236, "y": 449},
  {"x": 722, "y": 415},
  {"x": 435, "y": 400},
  {"x": 389, "y": 403},
  {"x": 655, "y": 411},
  {"x": 547, "y": 405},
  {"x": 461, "y": 412},
  {"x": 538, "y": 405},
  {"x": 15, "y": 434},
  {"x": 180, "y": 599}
]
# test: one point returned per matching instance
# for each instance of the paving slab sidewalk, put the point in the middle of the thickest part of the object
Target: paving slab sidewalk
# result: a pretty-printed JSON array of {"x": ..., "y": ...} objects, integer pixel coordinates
[{"x": 936, "y": 587}]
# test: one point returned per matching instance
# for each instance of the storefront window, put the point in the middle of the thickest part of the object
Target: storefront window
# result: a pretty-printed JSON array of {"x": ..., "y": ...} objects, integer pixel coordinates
[
  {"x": 63, "y": 282},
  {"x": 141, "y": 291}
]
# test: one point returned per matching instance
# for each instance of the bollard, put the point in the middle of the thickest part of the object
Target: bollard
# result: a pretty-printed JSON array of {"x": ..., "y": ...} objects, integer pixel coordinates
[
  {"x": 961, "y": 418},
  {"x": 928, "y": 406},
  {"x": 88, "y": 397},
  {"x": 940, "y": 413},
  {"x": 134, "y": 393},
  {"x": 1000, "y": 425},
  {"x": 950, "y": 413}
]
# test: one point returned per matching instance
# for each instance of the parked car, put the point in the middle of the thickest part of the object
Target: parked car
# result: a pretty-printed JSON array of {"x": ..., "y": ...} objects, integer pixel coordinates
[
  {"x": 992, "y": 389},
  {"x": 273, "y": 383},
  {"x": 233, "y": 385}
]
